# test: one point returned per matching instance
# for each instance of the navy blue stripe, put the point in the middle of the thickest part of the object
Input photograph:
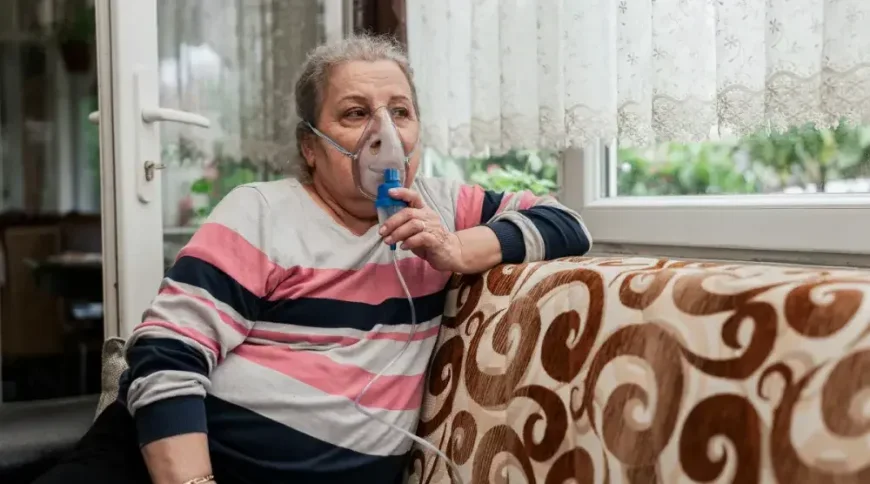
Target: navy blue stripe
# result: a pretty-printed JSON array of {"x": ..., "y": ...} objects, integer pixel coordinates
[
  {"x": 150, "y": 355},
  {"x": 510, "y": 238},
  {"x": 170, "y": 417},
  {"x": 249, "y": 448},
  {"x": 331, "y": 313},
  {"x": 563, "y": 235},
  {"x": 491, "y": 202},
  {"x": 199, "y": 273},
  {"x": 315, "y": 312}
]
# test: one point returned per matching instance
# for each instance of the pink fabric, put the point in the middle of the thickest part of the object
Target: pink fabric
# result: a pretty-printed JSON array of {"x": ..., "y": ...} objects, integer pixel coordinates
[
  {"x": 527, "y": 200},
  {"x": 389, "y": 392},
  {"x": 469, "y": 206},
  {"x": 372, "y": 284},
  {"x": 226, "y": 318},
  {"x": 191, "y": 333},
  {"x": 227, "y": 250},
  {"x": 341, "y": 340}
]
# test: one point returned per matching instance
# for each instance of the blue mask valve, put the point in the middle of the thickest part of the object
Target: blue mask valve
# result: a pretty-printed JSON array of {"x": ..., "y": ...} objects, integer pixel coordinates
[{"x": 386, "y": 205}]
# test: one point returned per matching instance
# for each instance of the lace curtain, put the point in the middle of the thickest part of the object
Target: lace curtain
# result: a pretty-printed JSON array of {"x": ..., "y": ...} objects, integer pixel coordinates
[
  {"x": 502, "y": 74},
  {"x": 236, "y": 61}
]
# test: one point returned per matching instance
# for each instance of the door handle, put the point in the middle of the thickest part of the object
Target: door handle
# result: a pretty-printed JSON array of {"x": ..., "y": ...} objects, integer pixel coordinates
[{"x": 154, "y": 115}]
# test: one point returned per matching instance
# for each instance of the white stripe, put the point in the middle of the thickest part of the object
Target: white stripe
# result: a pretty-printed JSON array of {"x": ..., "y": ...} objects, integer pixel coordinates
[
  {"x": 353, "y": 333},
  {"x": 308, "y": 410},
  {"x": 200, "y": 292},
  {"x": 163, "y": 385},
  {"x": 371, "y": 355}
]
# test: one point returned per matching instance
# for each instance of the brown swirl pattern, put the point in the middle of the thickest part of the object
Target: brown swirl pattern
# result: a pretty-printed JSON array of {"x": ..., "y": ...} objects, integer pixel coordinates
[{"x": 650, "y": 370}]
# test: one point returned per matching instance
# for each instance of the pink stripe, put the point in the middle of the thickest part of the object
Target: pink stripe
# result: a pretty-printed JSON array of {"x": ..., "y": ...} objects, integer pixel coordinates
[
  {"x": 227, "y": 250},
  {"x": 418, "y": 335},
  {"x": 469, "y": 206},
  {"x": 504, "y": 201},
  {"x": 280, "y": 337},
  {"x": 226, "y": 318},
  {"x": 191, "y": 333},
  {"x": 340, "y": 340},
  {"x": 373, "y": 284},
  {"x": 389, "y": 392},
  {"x": 527, "y": 200}
]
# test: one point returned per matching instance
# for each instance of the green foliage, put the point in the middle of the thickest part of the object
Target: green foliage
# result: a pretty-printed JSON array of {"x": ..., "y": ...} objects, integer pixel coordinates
[
  {"x": 763, "y": 162},
  {"x": 517, "y": 170},
  {"x": 225, "y": 172}
]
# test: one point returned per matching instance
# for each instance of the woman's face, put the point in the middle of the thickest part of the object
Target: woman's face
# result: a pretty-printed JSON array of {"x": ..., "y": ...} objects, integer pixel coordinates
[{"x": 354, "y": 91}]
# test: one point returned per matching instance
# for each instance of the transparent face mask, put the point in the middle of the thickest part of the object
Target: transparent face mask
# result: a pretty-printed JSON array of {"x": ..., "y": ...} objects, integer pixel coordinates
[{"x": 381, "y": 145}]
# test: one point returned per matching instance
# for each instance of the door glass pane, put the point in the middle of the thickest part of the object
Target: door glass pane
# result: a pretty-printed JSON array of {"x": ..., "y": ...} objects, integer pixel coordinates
[
  {"x": 234, "y": 62},
  {"x": 51, "y": 315}
]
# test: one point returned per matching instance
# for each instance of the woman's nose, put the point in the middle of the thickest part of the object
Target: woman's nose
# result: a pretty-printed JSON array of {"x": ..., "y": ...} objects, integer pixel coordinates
[{"x": 375, "y": 146}]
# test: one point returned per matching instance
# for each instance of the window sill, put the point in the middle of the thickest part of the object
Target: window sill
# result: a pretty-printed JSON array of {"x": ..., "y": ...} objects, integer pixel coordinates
[
  {"x": 826, "y": 223},
  {"x": 735, "y": 224}
]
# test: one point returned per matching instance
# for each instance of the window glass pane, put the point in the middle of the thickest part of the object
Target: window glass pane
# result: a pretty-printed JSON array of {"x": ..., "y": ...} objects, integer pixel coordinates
[
  {"x": 516, "y": 170},
  {"x": 802, "y": 159},
  {"x": 234, "y": 62},
  {"x": 51, "y": 290}
]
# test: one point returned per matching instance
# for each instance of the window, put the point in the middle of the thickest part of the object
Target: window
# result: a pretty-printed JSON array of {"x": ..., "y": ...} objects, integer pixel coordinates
[
  {"x": 799, "y": 189},
  {"x": 688, "y": 124},
  {"x": 516, "y": 170}
]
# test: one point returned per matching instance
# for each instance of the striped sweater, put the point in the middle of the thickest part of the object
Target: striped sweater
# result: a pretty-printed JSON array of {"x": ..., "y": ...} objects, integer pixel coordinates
[{"x": 273, "y": 318}]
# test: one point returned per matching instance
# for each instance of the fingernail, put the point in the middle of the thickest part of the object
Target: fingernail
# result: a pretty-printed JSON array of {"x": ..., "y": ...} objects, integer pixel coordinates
[
  {"x": 394, "y": 191},
  {"x": 388, "y": 240},
  {"x": 382, "y": 230}
]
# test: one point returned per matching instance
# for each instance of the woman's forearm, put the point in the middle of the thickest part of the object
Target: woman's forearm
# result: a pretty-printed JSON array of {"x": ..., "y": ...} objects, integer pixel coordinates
[
  {"x": 481, "y": 250},
  {"x": 177, "y": 459}
]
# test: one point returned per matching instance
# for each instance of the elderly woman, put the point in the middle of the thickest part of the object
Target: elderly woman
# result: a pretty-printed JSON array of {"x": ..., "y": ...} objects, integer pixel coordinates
[{"x": 286, "y": 303}]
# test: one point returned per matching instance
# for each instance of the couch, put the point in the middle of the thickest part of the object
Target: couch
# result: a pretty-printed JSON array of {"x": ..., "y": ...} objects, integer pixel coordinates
[{"x": 645, "y": 370}]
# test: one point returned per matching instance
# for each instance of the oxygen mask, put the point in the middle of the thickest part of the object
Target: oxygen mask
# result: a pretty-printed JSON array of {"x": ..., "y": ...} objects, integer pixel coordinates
[{"x": 380, "y": 147}]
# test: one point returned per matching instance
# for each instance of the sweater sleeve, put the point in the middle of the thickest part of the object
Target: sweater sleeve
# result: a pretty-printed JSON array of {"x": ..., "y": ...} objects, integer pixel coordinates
[
  {"x": 206, "y": 306},
  {"x": 530, "y": 228}
]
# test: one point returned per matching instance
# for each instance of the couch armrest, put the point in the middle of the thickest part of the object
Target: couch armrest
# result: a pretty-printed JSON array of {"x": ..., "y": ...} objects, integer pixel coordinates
[{"x": 655, "y": 370}]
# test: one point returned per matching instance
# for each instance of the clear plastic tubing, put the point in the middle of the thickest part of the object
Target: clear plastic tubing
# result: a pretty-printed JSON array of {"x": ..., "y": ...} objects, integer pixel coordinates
[{"x": 388, "y": 206}]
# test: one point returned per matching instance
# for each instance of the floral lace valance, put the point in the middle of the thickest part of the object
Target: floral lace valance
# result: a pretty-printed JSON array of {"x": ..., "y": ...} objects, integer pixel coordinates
[{"x": 496, "y": 75}]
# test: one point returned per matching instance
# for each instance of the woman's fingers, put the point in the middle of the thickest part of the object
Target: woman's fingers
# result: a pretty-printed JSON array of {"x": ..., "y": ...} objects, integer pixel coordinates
[
  {"x": 408, "y": 196},
  {"x": 399, "y": 219},
  {"x": 408, "y": 229},
  {"x": 421, "y": 240}
]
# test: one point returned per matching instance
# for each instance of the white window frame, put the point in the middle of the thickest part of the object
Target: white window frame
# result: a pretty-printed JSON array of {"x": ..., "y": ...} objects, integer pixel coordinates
[{"x": 817, "y": 223}]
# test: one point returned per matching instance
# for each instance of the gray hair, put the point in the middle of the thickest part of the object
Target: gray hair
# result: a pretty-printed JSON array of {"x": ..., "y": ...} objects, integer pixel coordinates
[{"x": 314, "y": 78}]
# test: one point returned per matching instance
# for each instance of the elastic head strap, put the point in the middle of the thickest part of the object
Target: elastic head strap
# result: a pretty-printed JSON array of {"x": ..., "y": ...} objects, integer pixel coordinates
[{"x": 330, "y": 141}]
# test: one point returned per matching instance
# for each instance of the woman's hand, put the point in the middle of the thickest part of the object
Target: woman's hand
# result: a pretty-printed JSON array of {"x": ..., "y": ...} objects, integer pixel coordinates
[{"x": 418, "y": 228}]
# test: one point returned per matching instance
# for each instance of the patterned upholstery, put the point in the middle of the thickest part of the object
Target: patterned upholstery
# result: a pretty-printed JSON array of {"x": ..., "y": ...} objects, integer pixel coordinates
[
  {"x": 640, "y": 370},
  {"x": 113, "y": 365}
]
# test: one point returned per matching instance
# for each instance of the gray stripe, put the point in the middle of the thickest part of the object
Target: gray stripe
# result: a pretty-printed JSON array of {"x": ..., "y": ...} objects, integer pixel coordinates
[{"x": 163, "y": 385}]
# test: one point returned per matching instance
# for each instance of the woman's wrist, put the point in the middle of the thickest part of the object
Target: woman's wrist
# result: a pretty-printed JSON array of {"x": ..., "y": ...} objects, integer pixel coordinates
[
  {"x": 478, "y": 250},
  {"x": 209, "y": 479}
]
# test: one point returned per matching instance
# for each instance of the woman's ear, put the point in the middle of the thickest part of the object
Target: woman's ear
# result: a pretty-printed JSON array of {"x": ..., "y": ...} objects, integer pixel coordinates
[
  {"x": 306, "y": 142},
  {"x": 308, "y": 150}
]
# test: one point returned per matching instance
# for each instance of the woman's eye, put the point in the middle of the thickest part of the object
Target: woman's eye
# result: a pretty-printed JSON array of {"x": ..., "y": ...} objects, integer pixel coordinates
[
  {"x": 355, "y": 114},
  {"x": 401, "y": 112}
]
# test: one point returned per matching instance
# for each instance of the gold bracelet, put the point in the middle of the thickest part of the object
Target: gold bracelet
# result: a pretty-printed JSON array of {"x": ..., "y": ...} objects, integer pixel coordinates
[{"x": 201, "y": 480}]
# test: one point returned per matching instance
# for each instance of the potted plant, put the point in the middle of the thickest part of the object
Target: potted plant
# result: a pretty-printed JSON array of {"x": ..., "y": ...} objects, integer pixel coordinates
[{"x": 76, "y": 34}]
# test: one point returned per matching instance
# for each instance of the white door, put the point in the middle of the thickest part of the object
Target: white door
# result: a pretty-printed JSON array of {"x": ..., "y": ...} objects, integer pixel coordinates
[{"x": 195, "y": 97}]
